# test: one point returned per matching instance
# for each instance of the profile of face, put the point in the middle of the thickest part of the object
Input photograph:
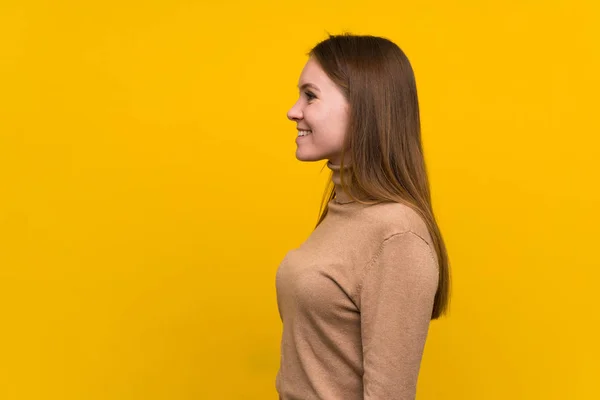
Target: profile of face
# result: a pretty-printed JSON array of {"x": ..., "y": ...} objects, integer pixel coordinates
[{"x": 321, "y": 109}]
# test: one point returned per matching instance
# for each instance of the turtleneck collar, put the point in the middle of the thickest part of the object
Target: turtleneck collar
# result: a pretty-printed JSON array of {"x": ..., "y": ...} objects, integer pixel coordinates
[{"x": 341, "y": 196}]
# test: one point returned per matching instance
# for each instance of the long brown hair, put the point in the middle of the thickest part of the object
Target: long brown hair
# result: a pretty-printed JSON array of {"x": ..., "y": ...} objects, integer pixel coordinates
[{"x": 384, "y": 134}]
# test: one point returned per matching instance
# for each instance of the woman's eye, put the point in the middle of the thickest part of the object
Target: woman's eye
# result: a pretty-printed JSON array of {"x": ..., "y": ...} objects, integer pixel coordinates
[{"x": 310, "y": 95}]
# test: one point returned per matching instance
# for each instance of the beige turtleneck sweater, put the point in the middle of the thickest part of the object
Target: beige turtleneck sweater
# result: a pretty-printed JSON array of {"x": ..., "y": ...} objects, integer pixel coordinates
[{"x": 355, "y": 300}]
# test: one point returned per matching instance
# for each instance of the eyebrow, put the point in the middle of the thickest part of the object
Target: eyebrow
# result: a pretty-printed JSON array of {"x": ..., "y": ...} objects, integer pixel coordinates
[{"x": 308, "y": 84}]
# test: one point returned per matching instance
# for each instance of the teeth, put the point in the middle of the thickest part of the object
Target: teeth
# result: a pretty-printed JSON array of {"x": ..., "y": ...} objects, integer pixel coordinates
[{"x": 304, "y": 133}]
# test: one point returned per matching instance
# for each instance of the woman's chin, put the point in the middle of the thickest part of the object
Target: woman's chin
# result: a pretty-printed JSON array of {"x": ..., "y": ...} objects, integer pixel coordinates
[{"x": 303, "y": 156}]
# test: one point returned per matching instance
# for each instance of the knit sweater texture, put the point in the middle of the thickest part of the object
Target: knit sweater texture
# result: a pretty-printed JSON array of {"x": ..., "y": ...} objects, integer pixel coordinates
[{"x": 355, "y": 299}]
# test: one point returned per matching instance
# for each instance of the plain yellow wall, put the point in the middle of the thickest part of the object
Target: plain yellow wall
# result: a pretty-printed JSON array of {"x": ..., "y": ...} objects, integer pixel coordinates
[{"x": 149, "y": 190}]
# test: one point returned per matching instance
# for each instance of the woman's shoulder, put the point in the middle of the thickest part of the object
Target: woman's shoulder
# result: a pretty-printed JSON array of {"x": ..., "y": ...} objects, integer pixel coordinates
[{"x": 391, "y": 218}]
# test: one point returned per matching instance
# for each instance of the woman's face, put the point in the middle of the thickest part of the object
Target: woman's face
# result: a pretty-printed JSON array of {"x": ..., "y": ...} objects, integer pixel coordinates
[{"x": 322, "y": 109}]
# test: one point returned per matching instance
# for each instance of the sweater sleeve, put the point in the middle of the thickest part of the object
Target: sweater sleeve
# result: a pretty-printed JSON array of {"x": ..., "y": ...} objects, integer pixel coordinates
[{"x": 396, "y": 301}]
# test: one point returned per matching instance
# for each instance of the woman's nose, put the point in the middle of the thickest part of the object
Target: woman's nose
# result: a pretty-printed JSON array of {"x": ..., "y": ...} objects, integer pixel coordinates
[{"x": 294, "y": 113}]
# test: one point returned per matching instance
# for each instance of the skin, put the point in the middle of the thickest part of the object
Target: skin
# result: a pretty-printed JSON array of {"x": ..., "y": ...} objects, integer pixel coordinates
[{"x": 323, "y": 109}]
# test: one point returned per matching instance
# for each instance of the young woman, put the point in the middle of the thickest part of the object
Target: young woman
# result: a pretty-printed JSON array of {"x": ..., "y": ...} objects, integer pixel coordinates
[{"x": 357, "y": 296}]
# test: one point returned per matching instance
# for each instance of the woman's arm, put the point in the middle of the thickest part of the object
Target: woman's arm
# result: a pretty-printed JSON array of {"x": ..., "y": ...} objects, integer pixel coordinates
[{"x": 396, "y": 301}]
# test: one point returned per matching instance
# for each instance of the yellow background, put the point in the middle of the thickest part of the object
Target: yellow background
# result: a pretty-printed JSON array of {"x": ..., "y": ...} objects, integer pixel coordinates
[{"x": 149, "y": 190}]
